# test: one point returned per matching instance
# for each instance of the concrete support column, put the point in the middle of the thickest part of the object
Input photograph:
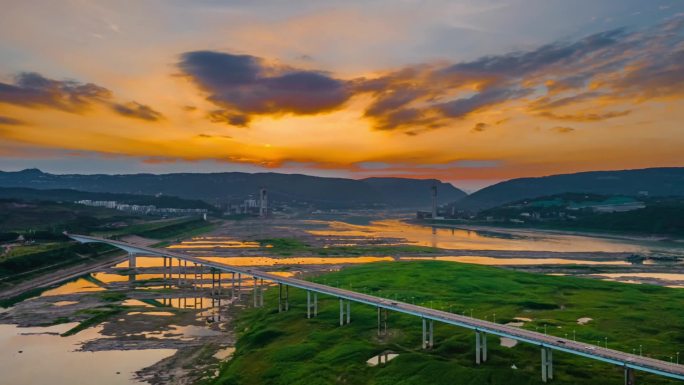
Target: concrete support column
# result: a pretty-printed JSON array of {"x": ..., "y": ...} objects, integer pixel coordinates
[
  {"x": 315, "y": 311},
  {"x": 424, "y": 339},
  {"x": 477, "y": 347},
  {"x": 194, "y": 281},
  {"x": 341, "y": 312},
  {"x": 629, "y": 376},
  {"x": 219, "y": 282},
  {"x": 256, "y": 293},
  {"x": 378, "y": 322},
  {"x": 132, "y": 266},
  {"x": 239, "y": 283},
  {"x": 179, "y": 272},
  {"x": 484, "y": 347},
  {"x": 185, "y": 272},
  {"x": 232, "y": 285},
  {"x": 543, "y": 364},
  {"x": 431, "y": 339},
  {"x": 547, "y": 364},
  {"x": 385, "y": 322},
  {"x": 280, "y": 297},
  {"x": 164, "y": 271},
  {"x": 261, "y": 292},
  {"x": 287, "y": 298},
  {"x": 308, "y": 304},
  {"x": 348, "y": 311}
]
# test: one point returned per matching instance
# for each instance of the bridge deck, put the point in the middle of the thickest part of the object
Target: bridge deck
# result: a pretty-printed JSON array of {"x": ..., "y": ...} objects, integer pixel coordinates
[{"x": 637, "y": 362}]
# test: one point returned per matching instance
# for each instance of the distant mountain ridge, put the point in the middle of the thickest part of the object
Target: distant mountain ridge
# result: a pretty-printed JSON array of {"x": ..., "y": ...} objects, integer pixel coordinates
[
  {"x": 219, "y": 188},
  {"x": 666, "y": 181},
  {"x": 70, "y": 195}
]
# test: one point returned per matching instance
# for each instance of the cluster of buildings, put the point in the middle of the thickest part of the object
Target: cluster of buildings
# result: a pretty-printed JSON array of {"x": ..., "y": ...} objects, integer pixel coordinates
[
  {"x": 143, "y": 209},
  {"x": 250, "y": 206}
]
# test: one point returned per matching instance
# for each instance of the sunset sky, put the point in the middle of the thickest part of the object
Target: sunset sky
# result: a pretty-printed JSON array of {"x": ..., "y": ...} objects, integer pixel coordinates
[{"x": 470, "y": 92}]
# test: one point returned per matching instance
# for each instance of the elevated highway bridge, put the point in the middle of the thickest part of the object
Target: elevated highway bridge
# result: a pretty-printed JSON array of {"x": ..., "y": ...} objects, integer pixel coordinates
[{"x": 547, "y": 344}]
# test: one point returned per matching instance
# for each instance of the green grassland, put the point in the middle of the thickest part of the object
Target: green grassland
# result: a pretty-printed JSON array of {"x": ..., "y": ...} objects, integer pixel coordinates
[
  {"x": 290, "y": 246},
  {"x": 286, "y": 348}
]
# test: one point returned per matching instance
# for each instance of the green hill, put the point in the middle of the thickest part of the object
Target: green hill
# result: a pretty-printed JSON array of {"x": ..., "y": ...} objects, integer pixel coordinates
[{"x": 653, "y": 181}]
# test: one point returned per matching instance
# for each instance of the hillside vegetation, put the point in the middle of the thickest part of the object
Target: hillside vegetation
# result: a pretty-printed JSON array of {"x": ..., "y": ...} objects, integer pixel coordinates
[
  {"x": 226, "y": 187},
  {"x": 654, "y": 181},
  {"x": 592, "y": 212}
]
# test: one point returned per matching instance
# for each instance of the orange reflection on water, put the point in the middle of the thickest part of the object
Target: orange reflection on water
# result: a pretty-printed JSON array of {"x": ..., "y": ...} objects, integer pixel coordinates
[
  {"x": 109, "y": 278},
  {"x": 216, "y": 245},
  {"x": 78, "y": 286},
  {"x": 663, "y": 276},
  {"x": 267, "y": 261},
  {"x": 145, "y": 262},
  {"x": 187, "y": 303},
  {"x": 515, "y": 261},
  {"x": 453, "y": 238}
]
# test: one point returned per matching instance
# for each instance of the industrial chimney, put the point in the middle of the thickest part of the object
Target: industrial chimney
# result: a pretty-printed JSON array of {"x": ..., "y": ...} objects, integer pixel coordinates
[
  {"x": 434, "y": 201},
  {"x": 263, "y": 203}
]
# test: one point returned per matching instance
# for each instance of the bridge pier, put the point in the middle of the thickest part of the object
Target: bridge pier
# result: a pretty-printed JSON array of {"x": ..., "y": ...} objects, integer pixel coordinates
[
  {"x": 480, "y": 347},
  {"x": 428, "y": 334},
  {"x": 348, "y": 311},
  {"x": 280, "y": 297},
  {"x": 258, "y": 290},
  {"x": 169, "y": 272},
  {"x": 164, "y": 271},
  {"x": 382, "y": 322},
  {"x": 342, "y": 312},
  {"x": 131, "y": 260},
  {"x": 546, "y": 364},
  {"x": 310, "y": 306},
  {"x": 195, "y": 280},
  {"x": 239, "y": 293},
  {"x": 283, "y": 301},
  {"x": 232, "y": 285},
  {"x": 629, "y": 376},
  {"x": 256, "y": 293},
  {"x": 179, "y": 272}
]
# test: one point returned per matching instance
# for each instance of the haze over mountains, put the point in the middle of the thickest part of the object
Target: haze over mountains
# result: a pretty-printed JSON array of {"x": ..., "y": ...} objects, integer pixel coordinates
[{"x": 219, "y": 188}]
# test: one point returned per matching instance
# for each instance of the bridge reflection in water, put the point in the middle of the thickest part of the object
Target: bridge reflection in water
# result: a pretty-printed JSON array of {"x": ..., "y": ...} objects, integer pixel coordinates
[{"x": 186, "y": 271}]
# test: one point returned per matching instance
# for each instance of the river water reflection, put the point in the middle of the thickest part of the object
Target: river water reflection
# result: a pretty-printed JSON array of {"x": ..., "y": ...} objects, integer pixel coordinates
[
  {"x": 497, "y": 239},
  {"x": 47, "y": 358}
]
